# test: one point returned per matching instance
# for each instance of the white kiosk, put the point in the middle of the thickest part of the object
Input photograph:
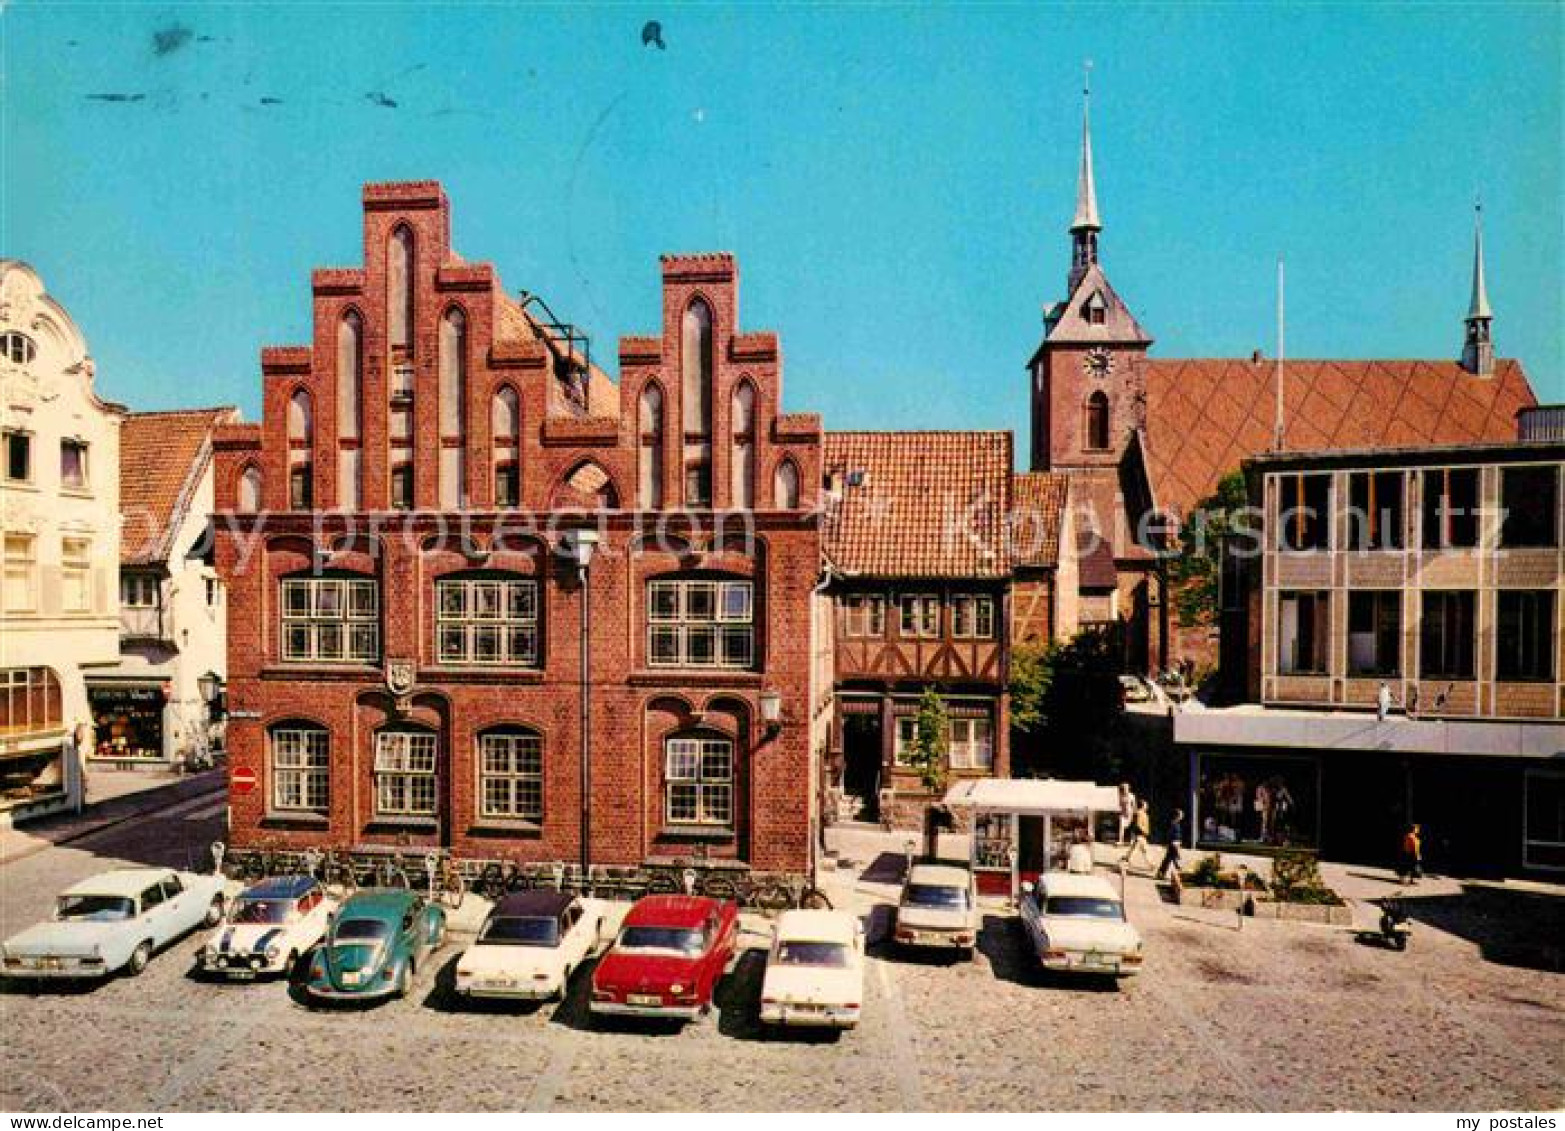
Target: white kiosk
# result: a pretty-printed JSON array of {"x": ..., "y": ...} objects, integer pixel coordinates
[{"x": 1024, "y": 826}]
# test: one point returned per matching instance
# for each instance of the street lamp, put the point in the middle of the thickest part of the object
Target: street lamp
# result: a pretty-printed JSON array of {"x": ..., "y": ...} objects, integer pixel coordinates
[
  {"x": 577, "y": 547},
  {"x": 211, "y": 688},
  {"x": 771, "y": 709}
]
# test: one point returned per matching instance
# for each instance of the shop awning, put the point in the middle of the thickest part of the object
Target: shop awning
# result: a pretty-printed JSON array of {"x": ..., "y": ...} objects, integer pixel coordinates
[{"x": 1032, "y": 796}]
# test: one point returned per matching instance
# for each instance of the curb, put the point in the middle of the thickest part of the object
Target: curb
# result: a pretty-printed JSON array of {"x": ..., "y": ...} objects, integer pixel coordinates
[{"x": 95, "y": 818}]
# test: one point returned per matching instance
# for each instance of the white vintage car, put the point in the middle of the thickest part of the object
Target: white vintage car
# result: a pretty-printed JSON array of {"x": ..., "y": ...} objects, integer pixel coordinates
[
  {"x": 814, "y": 971},
  {"x": 530, "y": 945},
  {"x": 267, "y": 928},
  {"x": 115, "y": 920},
  {"x": 1077, "y": 923},
  {"x": 938, "y": 908}
]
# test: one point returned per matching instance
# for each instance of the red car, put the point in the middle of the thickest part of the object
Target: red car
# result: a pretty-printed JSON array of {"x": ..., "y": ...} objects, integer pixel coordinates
[{"x": 669, "y": 955}]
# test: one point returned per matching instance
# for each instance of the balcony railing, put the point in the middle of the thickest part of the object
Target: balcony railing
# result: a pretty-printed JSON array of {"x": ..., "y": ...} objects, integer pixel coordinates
[{"x": 1546, "y": 422}]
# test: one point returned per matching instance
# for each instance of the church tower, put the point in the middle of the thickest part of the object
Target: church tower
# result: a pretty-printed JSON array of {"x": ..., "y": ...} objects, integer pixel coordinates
[
  {"x": 1478, "y": 348},
  {"x": 1088, "y": 383}
]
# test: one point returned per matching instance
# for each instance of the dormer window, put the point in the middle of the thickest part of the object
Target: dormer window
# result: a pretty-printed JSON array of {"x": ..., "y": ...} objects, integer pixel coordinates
[{"x": 1096, "y": 310}]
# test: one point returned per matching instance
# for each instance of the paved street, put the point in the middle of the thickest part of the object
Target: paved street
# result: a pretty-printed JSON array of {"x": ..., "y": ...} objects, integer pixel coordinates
[{"x": 1278, "y": 1016}]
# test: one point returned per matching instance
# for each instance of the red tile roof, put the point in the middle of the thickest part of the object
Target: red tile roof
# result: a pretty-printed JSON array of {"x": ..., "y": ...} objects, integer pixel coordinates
[
  {"x": 1205, "y": 416},
  {"x": 1038, "y": 501},
  {"x": 162, "y": 458},
  {"x": 929, "y": 504}
]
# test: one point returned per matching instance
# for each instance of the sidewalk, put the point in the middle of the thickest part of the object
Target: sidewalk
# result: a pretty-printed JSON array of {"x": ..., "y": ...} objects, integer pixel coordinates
[{"x": 117, "y": 795}]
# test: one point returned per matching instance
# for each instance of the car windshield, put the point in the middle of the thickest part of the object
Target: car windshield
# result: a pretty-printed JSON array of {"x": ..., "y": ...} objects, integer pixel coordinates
[
  {"x": 799, "y": 952},
  {"x": 676, "y": 939},
  {"x": 520, "y": 930},
  {"x": 1087, "y": 906},
  {"x": 261, "y": 911},
  {"x": 361, "y": 930},
  {"x": 936, "y": 896},
  {"x": 96, "y": 908}
]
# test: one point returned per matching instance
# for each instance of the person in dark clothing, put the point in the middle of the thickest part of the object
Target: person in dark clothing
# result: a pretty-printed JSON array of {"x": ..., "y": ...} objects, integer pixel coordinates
[{"x": 1176, "y": 836}]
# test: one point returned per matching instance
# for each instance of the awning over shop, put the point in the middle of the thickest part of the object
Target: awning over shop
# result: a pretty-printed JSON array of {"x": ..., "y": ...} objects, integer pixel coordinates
[{"x": 1033, "y": 797}]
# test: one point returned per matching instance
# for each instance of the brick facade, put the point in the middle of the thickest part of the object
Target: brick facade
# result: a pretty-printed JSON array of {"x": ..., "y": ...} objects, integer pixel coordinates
[{"x": 579, "y": 450}]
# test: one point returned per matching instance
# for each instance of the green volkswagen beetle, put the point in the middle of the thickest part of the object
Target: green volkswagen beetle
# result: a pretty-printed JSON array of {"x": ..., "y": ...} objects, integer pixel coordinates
[{"x": 375, "y": 945}]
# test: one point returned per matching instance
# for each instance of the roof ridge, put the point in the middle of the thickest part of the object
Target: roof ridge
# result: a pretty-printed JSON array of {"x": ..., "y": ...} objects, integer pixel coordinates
[{"x": 186, "y": 411}]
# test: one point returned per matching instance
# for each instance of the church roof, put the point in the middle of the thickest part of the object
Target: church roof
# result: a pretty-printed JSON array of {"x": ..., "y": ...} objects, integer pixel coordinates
[
  {"x": 1205, "y": 416},
  {"x": 918, "y": 504},
  {"x": 1038, "y": 501},
  {"x": 1070, "y": 323}
]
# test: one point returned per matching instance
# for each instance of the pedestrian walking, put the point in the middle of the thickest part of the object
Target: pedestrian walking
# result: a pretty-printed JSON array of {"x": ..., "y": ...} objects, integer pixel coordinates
[
  {"x": 1176, "y": 839},
  {"x": 1127, "y": 811},
  {"x": 1140, "y": 829},
  {"x": 1410, "y": 865},
  {"x": 1383, "y": 701}
]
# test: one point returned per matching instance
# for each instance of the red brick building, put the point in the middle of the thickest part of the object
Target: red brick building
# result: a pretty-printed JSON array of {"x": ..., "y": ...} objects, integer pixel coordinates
[{"x": 405, "y": 658}]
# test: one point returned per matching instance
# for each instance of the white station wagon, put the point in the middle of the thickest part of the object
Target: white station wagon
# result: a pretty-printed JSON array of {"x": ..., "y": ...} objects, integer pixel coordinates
[
  {"x": 1077, "y": 923},
  {"x": 268, "y": 927},
  {"x": 530, "y": 945},
  {"x": 814, "y": 971},
  {"x": 115, "y": 920}
]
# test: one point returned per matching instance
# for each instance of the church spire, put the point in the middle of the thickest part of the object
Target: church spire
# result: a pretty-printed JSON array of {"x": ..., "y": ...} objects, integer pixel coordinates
[
  {"x": 1478, "y": 349},
  {"x": 1085, "y": 225}
]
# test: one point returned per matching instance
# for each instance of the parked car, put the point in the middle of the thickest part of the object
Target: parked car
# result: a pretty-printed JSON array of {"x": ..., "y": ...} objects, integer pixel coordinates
[
  {"x": 267, "y": 928},
  {"x": 667, "y": 959},
  {"x": 530, "y": 945},
  {"x": 938, "y": 908},
  {"x": 375, "y": 945},
  {"x": 814, "y": 970},
  {"x": 1077, "y": 924},
  {"x": 115, "y": 920},
  {"x": 1134, "y": 689}
]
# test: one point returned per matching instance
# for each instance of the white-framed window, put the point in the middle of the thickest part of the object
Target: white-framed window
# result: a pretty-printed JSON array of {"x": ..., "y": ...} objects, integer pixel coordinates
[
  {"x": 866, "y": 615},
  {"x": 301, "y": 769},
  {"x": 510, "y": 775},
  {"x": 486, "y": 621},
  {"x": 905, "y": 740},
  {"x": 21, "y": 573},
  {"x": 920, "y": 615},
  {"x": 405, "y": 773},
  {"x": 972, "y": 617},
  {"x": 972, "y": 744},
  {"x": 138, "y": 591},
  {"x": 331, "y": 619},
  {"x": 698, "y": 781},
  {"x": 700, "y": 624},
  {"x": 76, "y": 574}
]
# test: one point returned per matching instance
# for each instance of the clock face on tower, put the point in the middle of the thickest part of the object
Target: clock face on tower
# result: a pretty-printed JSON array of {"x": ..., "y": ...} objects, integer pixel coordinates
[{"x": 1098, "y": 363}]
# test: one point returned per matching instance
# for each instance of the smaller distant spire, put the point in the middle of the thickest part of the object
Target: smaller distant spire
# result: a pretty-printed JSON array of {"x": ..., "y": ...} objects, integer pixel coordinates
[
  {"x": 1478, "y": 343},
  {"x": 1479, "y": 307},
  {"x": 1086, "y": 190}
]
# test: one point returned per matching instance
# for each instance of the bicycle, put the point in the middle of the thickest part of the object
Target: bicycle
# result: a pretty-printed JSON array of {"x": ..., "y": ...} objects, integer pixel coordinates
[
  {"x": 768, "y": 895},
  {"x": 446, "y": 884}
]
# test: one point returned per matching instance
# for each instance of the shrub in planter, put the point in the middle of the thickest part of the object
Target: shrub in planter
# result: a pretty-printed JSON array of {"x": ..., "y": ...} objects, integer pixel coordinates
[
  {"x": 1208, "y": 873},
  {"x": 1296, "y": 878}
]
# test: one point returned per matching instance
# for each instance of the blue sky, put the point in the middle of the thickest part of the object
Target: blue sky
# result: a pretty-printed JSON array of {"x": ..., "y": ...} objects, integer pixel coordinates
[{"x": 895, "y": 180}]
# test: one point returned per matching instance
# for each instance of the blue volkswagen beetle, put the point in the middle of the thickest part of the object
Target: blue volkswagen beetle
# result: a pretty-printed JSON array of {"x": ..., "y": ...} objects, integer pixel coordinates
[{"x": 375, "y": 945}]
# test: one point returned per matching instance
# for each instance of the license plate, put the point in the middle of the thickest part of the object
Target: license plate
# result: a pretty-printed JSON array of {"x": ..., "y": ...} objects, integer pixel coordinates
[
  {"x": 644, "y": 999},
  {"x": 501, "y": 983},
  {"x": 351, "y": 977},
  {"x": 50, "y": 963},
  {"x": 1097, "y": 960},
  {"x": 807, "y": 1007}
]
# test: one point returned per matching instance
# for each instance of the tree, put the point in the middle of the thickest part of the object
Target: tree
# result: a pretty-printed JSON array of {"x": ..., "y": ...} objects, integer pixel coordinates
[
  {"x": 1195, "y": 571},
  {"x": 931, "y": 742},
  {"x": 1066, "y": 703}
]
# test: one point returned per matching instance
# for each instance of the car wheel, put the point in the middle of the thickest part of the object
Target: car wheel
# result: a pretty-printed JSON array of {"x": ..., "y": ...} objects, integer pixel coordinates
[
  {"x": 214, "y": 912},
  {"x": 139, "y": 958},
  {"x": 404, "y": 982},
  {"x": 291, "y": 967}
]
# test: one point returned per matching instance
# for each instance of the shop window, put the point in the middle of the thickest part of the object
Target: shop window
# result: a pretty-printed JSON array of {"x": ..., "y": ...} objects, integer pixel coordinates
[
  {"x": 21, "y": 573},
  {"x": 18, "y": 457},
  {"x": 453, "y": 409},
  {"x": 405, "y": 773},
  {"x": 1303, "y": 512},
  {"x": 1524, "y": 637},
  {"x": 1530, "y": 506},
  {"x": 971, "y": 744},
  {"x": 17, "y": 348},
  {"x": 510, "y": 775},
  {"x": 785, "y": 486},
  {"x": 29, "y": 700},
  {"x": 73, "y": 465},
  {"x": 1098, "y": 421},
  {"x": 696, "y": 366},
  {"x": 506, "y": 428},
  {"x": 250, "y": 490},
  {"x": 1256, "y": 800},
  {"x": 330, "y": 620},
  {"x": 486, "y": 621},
  {"x": 1450, "y": 508},
  {"x": 1375, "y": 510},
  {"x": 650, "y": 464},
  {"x": 301, "y": 769},
  {"x": 1303, "y": 633},
  {"x": 700, "y": 624},
  {"x": 76, "y": 575},
  {"x": 1375, "y": 632},
  {"x": 972, "y": 618},
  {"x": 402, "y": 487},
  {"x": 1544, "y": 829},
  {"x": 1446, "y": 635},
  {"x": 865, "y": 615},
  {"x": 399, "y": 289},
  {"x": 698, "y": 780},
  {"x": 742, "y": 467},
  {"x": 127, "y": 722},
  {"x": 920, "y": 616}
]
